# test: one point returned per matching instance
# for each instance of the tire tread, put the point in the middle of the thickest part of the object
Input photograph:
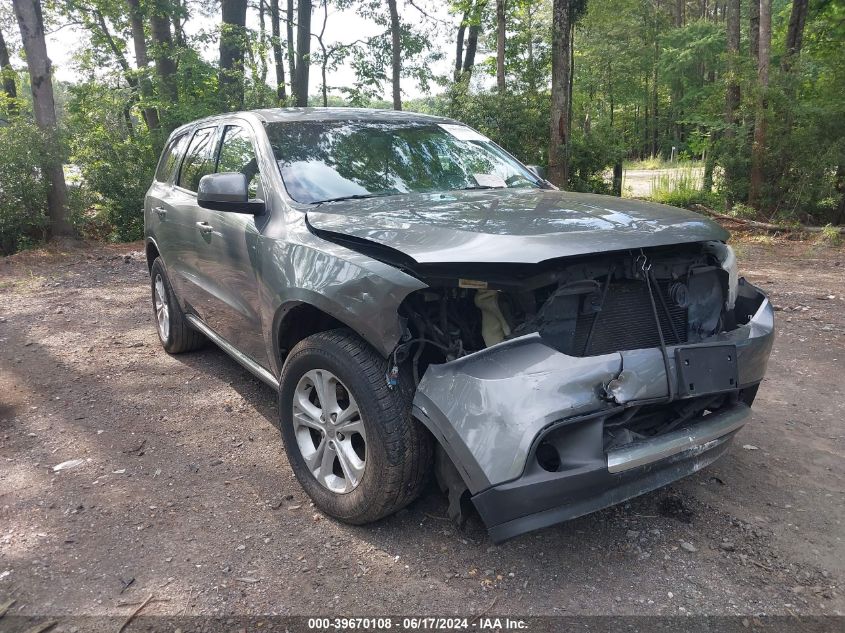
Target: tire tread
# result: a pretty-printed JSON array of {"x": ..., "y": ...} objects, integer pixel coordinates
[
  {"x": 407, "y": 444},
  {"x": 183, "y": 338}
]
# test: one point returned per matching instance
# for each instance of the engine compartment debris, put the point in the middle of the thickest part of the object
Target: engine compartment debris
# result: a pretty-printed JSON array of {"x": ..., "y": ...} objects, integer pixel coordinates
[{"x": 582, "y": 307}]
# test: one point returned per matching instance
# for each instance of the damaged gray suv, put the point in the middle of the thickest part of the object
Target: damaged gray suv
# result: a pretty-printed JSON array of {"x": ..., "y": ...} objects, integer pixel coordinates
[{"x": 424, "y": 302}]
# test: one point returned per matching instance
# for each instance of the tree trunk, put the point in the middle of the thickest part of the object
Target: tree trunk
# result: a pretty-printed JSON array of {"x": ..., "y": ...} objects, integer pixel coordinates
[
  {"x": 655, "y": 103},
  {"x": 571, "y": 73},
  {"x": 754, "y": 29},
  {"x": 163, "y": 55},
  {"x": 709, "y": 166},
  {"x": 232, "y": 50},
  {"x": 290, "y": 47},
  {"x": 178, "y": 17},
  {"x": 99, "y": 24},
  {"x": 617, "y": 179},
  {"x": 677, "y": 84},
  {"x": 325, "y": 89},
  {"x": 396, "y": 53},
  {"x": 795, "y": 32},
  {"x": 560, "y": 125},
  {"x": 472, "y": 48},
  {"x": 532, "y": 73},
  {"x": 278, "y": 59},
  {"x": 8, "y": 75},
  {"x": 261, "y": 62},
  {"x": 839, "y": 217},
  {"x": 324, "y": 55},
  {"x": 139, "y": 41},
  {"x": 303, "y": 52},
  {"x": 31, "y": 23},
  {"x": 732, "y": 93},
  {"x": 758, "y": 153},
  {"x": 459, "y": 53},
  {"x": 500, "y": 46}
]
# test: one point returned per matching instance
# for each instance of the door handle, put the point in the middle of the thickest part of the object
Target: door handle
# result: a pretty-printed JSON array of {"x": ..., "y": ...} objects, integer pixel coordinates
[
  {"x": 160, "y": 211},
  {"x": 205, "y": 227}
]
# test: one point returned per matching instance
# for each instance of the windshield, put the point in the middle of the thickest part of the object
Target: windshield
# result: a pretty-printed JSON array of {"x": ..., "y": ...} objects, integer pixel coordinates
[{"x": 322, "y": 161}]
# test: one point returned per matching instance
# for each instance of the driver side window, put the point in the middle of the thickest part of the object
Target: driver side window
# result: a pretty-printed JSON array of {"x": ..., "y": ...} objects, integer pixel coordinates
[{"x": 237, "y": 154}]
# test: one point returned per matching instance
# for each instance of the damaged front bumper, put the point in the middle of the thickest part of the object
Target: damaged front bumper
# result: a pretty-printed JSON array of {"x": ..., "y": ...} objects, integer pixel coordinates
[{"x": 492, "y": 410}]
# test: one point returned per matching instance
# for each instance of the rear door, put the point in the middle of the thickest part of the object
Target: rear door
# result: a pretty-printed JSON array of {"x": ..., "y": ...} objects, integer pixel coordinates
[
  {"x": 228, "y": 249},
  {"x": 161, "y": 221},
  {"x": 187, "y": 273}
]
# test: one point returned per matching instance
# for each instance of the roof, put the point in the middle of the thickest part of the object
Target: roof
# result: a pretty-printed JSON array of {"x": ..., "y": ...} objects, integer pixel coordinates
[
  {"x": 272, "y": 115},
  {"x": 275, "y": 115}
]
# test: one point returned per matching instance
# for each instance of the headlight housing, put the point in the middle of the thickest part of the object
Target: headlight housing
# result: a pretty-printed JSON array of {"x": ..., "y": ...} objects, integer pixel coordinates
[{"x": 727, "y": 258}]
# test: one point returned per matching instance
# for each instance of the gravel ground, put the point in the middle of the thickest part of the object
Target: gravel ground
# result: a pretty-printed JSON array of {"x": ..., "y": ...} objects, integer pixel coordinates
[{"x": 183, "y": 490}]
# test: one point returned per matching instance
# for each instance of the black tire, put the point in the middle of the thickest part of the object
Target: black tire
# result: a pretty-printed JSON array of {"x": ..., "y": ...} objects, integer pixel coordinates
[
  {"x": 180, "y": 337},
  {"x": 398, "y": 448}
]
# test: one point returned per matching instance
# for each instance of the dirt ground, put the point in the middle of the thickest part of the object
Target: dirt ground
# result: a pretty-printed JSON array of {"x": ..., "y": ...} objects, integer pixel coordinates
[{"x": 184, "y": 486}]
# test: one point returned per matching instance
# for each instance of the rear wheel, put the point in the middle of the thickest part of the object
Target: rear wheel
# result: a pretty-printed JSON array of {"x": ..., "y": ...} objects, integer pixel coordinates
[
  {"x": 174, "y": 332},
  {"x": 351, "y": 440}
]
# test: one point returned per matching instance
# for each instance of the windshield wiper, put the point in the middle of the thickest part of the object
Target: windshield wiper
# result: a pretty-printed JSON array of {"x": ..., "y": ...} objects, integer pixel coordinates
[
  {"x": 354, "y": 196},
  {"x": 476, "y": 187}
]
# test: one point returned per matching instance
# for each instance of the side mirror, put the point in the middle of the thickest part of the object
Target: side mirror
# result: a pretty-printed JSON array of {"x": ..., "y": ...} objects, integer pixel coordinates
[
  {"x": 227, "y": 192},
  {"x": 537, "y": 171}
]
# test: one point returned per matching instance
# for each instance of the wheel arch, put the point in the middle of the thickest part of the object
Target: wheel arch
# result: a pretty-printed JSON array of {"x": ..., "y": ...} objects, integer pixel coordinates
[
  {"x": 295, "y": 321},
  {"x": 299, "y": 318},
  {"x": 152, "y": 252}
]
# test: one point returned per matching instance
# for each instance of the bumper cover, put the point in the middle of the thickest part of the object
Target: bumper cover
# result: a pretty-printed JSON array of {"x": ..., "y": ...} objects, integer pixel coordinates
[
  {"x": 488, "y": 410},
  {"x": 539, "y": 499}
]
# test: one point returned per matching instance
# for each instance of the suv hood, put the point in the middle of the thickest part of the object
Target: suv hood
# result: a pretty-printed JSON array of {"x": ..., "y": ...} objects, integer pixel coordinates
[{"x": 523, "y": 226}]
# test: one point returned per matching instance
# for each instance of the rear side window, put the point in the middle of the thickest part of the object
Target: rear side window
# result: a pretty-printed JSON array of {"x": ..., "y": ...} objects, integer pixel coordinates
[
  {"x": 199, "y": 160},
  {"x": 170, "y": 158}
]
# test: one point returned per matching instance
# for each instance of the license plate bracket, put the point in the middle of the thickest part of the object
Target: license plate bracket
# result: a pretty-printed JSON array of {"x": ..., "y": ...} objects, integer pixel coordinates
[{"x": 706, "y": 369}]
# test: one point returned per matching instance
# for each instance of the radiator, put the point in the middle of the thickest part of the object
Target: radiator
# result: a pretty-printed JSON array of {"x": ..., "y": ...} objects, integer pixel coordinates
[{"x": 626, "y": 320}]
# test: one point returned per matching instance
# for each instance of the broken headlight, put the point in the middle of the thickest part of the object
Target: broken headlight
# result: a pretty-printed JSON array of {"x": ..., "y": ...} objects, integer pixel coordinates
[{"x": 727, "y": 258}]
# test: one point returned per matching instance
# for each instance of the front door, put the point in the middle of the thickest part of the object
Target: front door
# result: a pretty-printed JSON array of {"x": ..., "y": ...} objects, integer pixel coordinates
[{"x": 227, "y": 252}]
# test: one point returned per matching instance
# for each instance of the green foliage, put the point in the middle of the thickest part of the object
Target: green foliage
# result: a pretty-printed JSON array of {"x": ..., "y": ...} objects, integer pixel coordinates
[
  {"x": 592, "y": 151},
  {"x": 116, "y": 161},
  {"x": 647, "y": 80},
  {"x": 830, "y": 235},
  {"x": 680, "y": 188},
  {"x": 743, "y": 211},
  {"x": 23, "y": 192},
  {"x": 517, "y": 122}
]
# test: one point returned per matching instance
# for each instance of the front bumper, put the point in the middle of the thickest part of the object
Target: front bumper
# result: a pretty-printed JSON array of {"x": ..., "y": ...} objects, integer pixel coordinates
[
  {"x": 489, "y": 411},
  {"x": 539, "y": 498}
]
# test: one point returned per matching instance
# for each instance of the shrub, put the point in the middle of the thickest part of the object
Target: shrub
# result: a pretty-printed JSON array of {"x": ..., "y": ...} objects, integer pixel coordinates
[
  {"x": 116, "y": 162},
  {"x": 23, "y": 192},
  {"x": 830, "y": 235},
  {"x": 681, "y": 188},
  {"x": 743, "y": 211}
]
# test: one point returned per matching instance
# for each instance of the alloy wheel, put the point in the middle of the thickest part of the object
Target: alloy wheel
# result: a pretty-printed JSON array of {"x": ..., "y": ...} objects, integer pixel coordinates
[
  {"x": 162, "y": 308},
  {"x": 329, "y": 431}
]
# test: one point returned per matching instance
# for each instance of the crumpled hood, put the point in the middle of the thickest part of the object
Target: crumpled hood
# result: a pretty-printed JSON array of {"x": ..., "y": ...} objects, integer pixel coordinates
[{"x": 511, "y": 225}]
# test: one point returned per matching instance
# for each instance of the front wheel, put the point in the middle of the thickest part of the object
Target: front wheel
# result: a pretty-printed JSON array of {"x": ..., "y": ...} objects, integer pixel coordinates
[{"x": 350, "y": 440}]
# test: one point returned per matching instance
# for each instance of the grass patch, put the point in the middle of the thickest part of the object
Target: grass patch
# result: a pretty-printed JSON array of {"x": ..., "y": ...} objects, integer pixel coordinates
[
  {"x": 680, "y": 188},
  {"x": 829, "y": 236},
  {"x": 761, "y": 238}
]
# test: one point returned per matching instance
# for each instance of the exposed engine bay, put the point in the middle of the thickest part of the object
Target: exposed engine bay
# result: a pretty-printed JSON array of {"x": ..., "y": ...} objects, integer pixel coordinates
[{"x": 582, "y": 307}]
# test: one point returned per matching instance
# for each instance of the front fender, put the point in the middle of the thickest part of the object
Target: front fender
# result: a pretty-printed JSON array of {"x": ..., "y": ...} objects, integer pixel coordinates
[{"x": 360, "y": 292}]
